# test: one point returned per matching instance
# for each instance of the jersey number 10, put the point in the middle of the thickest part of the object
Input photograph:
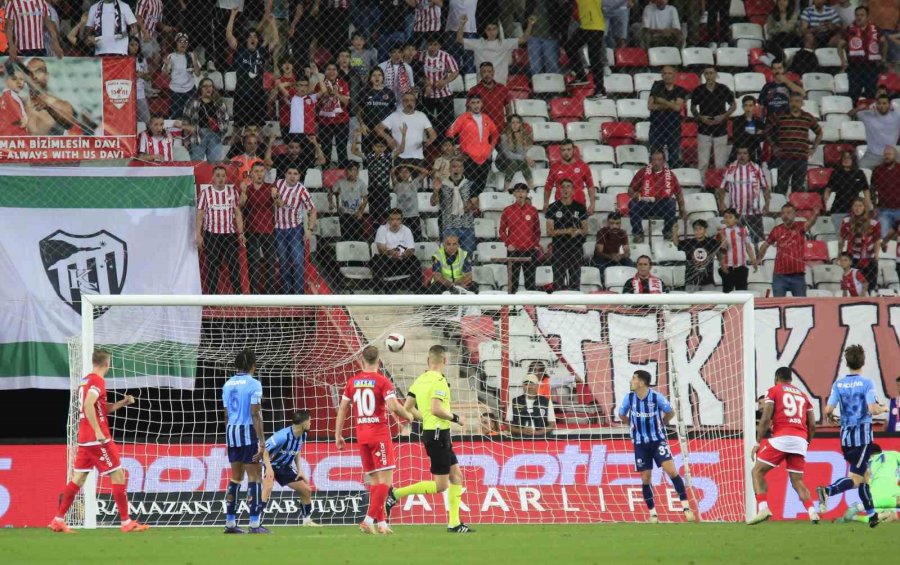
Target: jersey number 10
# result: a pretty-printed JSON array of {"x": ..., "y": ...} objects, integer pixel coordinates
[{"x": 365, "y": 401}]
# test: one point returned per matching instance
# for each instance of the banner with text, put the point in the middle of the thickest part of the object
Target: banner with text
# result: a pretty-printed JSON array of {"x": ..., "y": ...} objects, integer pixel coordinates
[
  {"x": 72, "y": 109},
  {"x": 541, "y": 481}
]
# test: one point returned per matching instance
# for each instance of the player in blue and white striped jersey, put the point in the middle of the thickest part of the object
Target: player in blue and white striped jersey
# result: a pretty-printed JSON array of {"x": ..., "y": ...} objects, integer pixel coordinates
[
  {"x": 647, "y": 412},
  {"x": 242, "y": 398},
  {"x": 855, "y": 395},
  {"x": 283, "y": 463}
]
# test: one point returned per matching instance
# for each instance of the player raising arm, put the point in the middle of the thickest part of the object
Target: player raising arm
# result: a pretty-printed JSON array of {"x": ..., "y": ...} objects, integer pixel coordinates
[
  {"x": 430, "y": 394},
  {"x": 282, "y": 463},
  {"x": 244, "y": 436},
  {"x": 96, "y": 449},
  {"x": 370, "y": 392},
  {"x": 856, "y": 397},
  {"x": 884, "y": 474},
  {"x": 793, "y": 421},
  {"x": 641, "y": 411}
]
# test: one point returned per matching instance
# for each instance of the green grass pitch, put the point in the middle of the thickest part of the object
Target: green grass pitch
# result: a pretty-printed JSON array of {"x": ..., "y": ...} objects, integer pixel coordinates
[{"x": 728, "y": 544}]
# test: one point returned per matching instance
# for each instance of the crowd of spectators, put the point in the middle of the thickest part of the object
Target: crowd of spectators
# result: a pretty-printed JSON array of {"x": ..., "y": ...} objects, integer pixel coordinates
[{"x": 362, "y": 90}]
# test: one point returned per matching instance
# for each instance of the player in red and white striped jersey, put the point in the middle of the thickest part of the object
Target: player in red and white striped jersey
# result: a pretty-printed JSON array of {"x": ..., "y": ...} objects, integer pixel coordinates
[
  {"x": 25, "y": 24},
  {"x": 155, "y": 144},
  {"x": 735, "y": 252},
  {"x": 96, "y": 449},
  {"x": 220, "y": 229},
  {"x": 743, "y": 182},
  {"x": 291, "y": 199},
  {"x": 440, "y": 70},
  {"x": 853, "y": 283}
]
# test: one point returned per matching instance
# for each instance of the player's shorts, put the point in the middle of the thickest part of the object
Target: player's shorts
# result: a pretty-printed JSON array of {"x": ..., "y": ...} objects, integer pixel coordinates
[
  {"x": 858, "y": 457},
  {"x": 440, "y": 451},
  {"x": 795, "y": 462},
  {"x": 377, "y": 455},
  {"x": 284, "y": 475},
  {"x": 104, "y": 458},
  {"x": 646, "y": 454},
  {"x": 243, "y": 454},
  {"x": 886, "y": 500}
]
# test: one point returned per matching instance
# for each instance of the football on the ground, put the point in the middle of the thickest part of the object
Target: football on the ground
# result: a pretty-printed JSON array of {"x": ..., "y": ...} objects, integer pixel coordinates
[{"x": 395, "y": 342}]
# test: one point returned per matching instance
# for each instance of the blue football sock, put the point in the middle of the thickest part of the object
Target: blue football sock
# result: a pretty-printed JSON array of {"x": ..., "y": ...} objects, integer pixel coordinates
[
  {"x": 678, "y": 483},
  {"x": 839, "y": 486},
  {"x": 865, "y": 495},
  {"x": 254, "y": 502},
  {"x": 306, "y": 510},
  {"x": 647, "y": 491},
  {"x": 231, "y": 494}
]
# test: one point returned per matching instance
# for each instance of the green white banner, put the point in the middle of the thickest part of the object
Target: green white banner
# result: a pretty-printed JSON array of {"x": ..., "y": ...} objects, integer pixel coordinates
[{"x": 68, "y": 231}]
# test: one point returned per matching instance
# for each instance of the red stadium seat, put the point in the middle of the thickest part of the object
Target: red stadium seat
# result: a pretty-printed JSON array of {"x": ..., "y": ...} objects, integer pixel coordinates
[
  {"x": 566, "y": 108},
  {"x": 759, "y": 20},
  {"x": 519, "y": 84},
  {"x": 554, "y": 156},
  {"x": 631, "y": 57},
  {"x": 760, "y": 68},
  {"x": 755, "y": 54},
  {"x": 689, "y": 129},
  {"x": 806, "y": 201},
  {"x": 687, "y": 81},
  {"x": 864, "y": 103},
  {"x": 690, "y": 154},
  {"x": 331, "y": 176},
  {"x": 713, "y": 178},
  {"x": 520, "y": 58},
  {"x": 890, "y": 80},
  {"x": 816, "y": 179},
  {"x": 617, "y": 133},
  {"x": 622, "y": 200},
  {"x": 816, "y": 251},
  {"x": 833, "y": 152},
  {"x": 794, "y": 77}
]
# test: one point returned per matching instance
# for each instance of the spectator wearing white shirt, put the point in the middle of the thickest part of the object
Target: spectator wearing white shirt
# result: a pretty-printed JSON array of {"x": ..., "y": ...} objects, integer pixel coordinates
[
  {"x": 419, "y": 132},
  {"x": 398, "y": 75},
  {"x": 109, "y": 24},
  {"x": 455, "y": 21},
  {"x": 182, "y": 66},
  {"x": 661, "y": 26},
  {"x": 396, "y": 253},
  {"x": 491, "y": 49},
  {"x": 882, "y": 129}
]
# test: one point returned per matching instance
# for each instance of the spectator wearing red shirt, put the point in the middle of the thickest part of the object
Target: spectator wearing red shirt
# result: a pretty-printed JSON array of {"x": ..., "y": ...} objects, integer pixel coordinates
[
  {"x": 789, "y": 238},
  {"x": 886, "y": 187},
  {"x": 853, "y": 283},
  {"x": 575, "y": 170},
  {"x": 654, "y": 191},
  {"x": 520, "y": 230},
  {"x": 333, "y": 113},
  {"x": 494, "y": 96},
  {"x": 612, "y": 245},
  {"x": 478, "y": 135},
  {"x": 13, "y": 113},
  {"x": 286, "y": 88},
  {"x": 259, "y": 226}
]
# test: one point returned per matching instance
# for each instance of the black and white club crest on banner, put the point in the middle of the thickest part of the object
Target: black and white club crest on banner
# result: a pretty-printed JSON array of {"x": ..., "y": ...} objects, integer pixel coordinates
[{"x": 84, "y": 264}]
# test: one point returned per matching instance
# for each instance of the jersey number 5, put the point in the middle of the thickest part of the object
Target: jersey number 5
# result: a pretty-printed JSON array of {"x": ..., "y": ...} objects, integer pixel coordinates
[
  {"x": 365, "y": 401},
  {"x": 793, "y": 405}
]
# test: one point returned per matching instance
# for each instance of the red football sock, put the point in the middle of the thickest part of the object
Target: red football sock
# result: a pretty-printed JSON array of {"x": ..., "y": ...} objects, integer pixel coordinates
[
  {"x": 121, "y": 502},
  {"x": 68, "y": 497},
  {"x": 376, "y": 502},
  {"x": 808, "y": 503},
  {"x": 761, "y": 498}
]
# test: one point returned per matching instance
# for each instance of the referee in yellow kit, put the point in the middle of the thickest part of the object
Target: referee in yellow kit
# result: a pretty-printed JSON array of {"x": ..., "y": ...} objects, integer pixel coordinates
[{"x": 431, "y": 395}]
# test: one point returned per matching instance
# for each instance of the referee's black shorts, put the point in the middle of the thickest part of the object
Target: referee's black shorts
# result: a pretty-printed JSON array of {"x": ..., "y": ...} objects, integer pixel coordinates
[{"x": 439, "y": 450}]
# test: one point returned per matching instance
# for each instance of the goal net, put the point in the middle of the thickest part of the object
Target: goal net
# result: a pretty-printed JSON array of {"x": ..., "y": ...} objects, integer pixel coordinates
[{"x": 552, "y": 453}]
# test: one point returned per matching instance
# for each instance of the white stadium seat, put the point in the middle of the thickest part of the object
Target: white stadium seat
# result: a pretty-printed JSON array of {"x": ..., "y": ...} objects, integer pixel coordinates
[
  {"x": 615, "y": 177},
  {"x": 661, "y": 56},
  {"x": 600, "y": 108},
  {"x": 642, "y": 132},
  {"x": 548, "y": 83},
  {"x": 745, "y": 83},
  {"x": 531, "y": 107},
  {"x": 643, "y": 82},
  {"x": 853, "y": 131},
  {"x": 632, "y": 154},
  {"x": 632, "y": 109},
  {"x": 818, "y": 81},
  {"x": 487, "y": 250},
  {"x": 727, "y": 79},
  {"x": 747, "y": 35},
  {"x": 732, "y": 57},
  {"x": 599, "y": 154},
  {"x": 618, "y": 83},
  {"x": 691, "y": 56},
  {"x": 828, "y": 57},
  {"x": 616, "y": 277},
  {"x": 548, "y": 132},
  {"x": 581, "y": 131},
  {"x": 835, "y": 105}
]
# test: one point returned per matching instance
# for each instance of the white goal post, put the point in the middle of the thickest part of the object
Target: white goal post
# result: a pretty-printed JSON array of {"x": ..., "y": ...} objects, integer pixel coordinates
[{"x": 106, "y": 318}]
